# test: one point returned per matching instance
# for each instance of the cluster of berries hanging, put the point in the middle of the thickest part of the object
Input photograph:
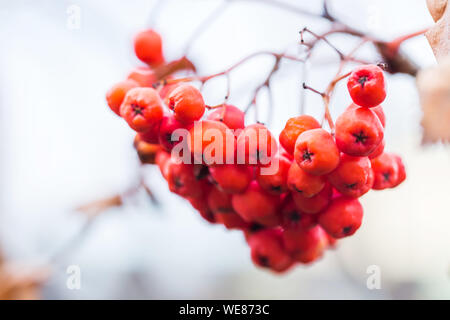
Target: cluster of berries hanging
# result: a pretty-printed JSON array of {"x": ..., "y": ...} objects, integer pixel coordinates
[{"x": 289, "y": 212}]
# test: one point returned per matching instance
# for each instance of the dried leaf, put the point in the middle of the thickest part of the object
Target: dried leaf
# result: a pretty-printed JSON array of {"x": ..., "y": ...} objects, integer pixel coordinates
[
  {"x": 439, "y": 35},
  {"x": 434, "y": 90},
  {"x": 437, "y": 8}
]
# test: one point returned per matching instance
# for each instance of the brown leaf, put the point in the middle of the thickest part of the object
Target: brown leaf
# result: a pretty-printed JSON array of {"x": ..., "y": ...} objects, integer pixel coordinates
[
  {"x": 439, "y": 35},
  {"x": 434, "y": 90},
  {"x": 437, "y": 8}
]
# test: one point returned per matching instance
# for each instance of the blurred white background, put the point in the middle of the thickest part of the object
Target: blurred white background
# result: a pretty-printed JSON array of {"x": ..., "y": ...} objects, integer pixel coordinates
[{"x": 62, "y": 147}]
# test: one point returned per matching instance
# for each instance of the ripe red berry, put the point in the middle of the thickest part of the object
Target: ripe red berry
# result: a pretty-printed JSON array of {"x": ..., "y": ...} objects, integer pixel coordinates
[
  {"x": 305, "y": 245},
  {"x": 316, "y": 152},
  {"x": 232, "y": 178},
  {"x": 220, "y": 204},
  {"x": 385, "y": 169},
  {"x": 293, "y": 128},
  {"x": 257, "y": 205},
  {"x": 267, "y": 250},
  {"x": 358, "y": 132},
  {"x": 378, "y": 111},
  {"x": 168, "y": 125},
  {"x": 230, "y": 115},
  {"x": 314, "y": 204},
  {"x": 255, "y": 145},
  {"x": 187, "y": 103},
  {"x": 162, "y": 160},
  {"x": 351, "y": 176},
  {"x": 273, "y": 177},
  {"x": 115, "y": 95},
  {"x": 211, "y": 142},
  {"x": 378, "y": 150},
  {"x": 150, "y": 135},
  {"x": 144, "y": 76},
  {"x": 293, "y": 218},
  {"x": 142, "y": 108},
  {"x": 366, "y": 86},
  {"x": 202, "y": 207},
  {"x": 342, "y": 217},
  {"x": 401, "y": 170},
  {"x": 302, "y": 182},
  {"x": 182, "y": 180},
  {"x": 148, "y": 47}
]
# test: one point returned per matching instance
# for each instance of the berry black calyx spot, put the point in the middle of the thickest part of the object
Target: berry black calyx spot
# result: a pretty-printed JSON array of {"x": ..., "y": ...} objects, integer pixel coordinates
[
  {"x": 275, "y": 188},
  {"x": 203, "y": 173},
  {"x": 351, "y": 185},
  {"x": 295, "y": 216},
  {"x": 256, "y": 227},
  {"x": 360, "y": 137},
  {"x": 296, "y": 189},
  {"x": 307, "y": 155},
  {"x": 386, "y": 176},
  {"x": 224, "y": 210},
  {"x": 362, "y": 81},
  {"x": 346, "y": 230},
  {"x": 178, "y": 184},
  {"x": 264, "y": 261},
  {"x": 137, "y": 109}
]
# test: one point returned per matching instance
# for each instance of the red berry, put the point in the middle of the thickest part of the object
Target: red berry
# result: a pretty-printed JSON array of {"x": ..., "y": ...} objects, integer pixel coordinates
[
  {"x": 316, "y": 152},
  {"x": 255, "y": 145},
  {"x": 230, "y": 115},
  {"x": 267, "y": 250},
  {"x": 232, "y": 178},
  {"x": 401, "y": 170},
  {"x": 378, "y": 111},
  {"x": 219, "y": 201},
  {"x": 220, "y": 204},
  {"x": 150, "y": 135},
  {"x": 148, "y": 47},
  {"x": 351, "y": 176},
  {"x": 292, "y": 218},
  {"x": 342, "y": 217},
  {"x": 273, "y": 177},
  {"x": 115, "y": 95},
  {"x": 202, "y": 207},
  {"x": 293, "y": 128},
  {"x": 182, "y": 180},
  {"x": 211, "y": 142},
  {"x": 302, "y": 182},
  {"x": 358, "y": 132},
  {"x": 142, "y": 108},
  {"x": 366, "y": 86},
  {"x": 314, "y": 204},
  {"x": 378, "y": 150},
  {"x": 332, "y": 242},
  {"x": 257, "y": 205},
  {"x": 168, "y": 125},
  {"x": 385, "y": 169},
  {"x": 187, "y": 103},
  {"x": 144, "y": 76},
  {"x": 162, "y": 160},
  {"x": 305, "y": 245}
]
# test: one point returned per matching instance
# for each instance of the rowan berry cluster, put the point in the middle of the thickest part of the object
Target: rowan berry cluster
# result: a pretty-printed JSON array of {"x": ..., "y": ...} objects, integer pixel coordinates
[{"x": 292, "y": 201}]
